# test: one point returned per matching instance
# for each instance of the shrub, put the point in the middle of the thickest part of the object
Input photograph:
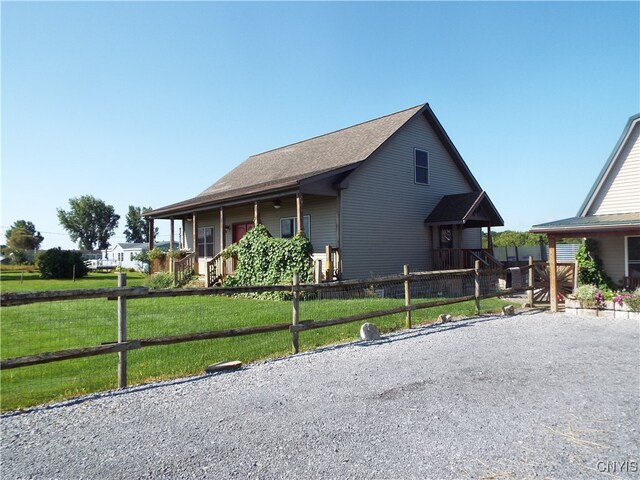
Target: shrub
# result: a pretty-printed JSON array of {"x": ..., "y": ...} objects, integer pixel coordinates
[
  {"x": 264, "y": 260},
  {"x": 631, "y": 300},
  {"x": 590, "y": 270},
  {"x": 178, "y": 254},
  {"x": 156, "y": 254},
  {"x": 589, "y": 296},
  {"x": 57, "y": 263},
  {"x": 160, "y": 281}
]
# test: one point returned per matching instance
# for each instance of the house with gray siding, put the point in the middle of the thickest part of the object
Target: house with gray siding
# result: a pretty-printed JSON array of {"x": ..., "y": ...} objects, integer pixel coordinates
[
  {"x": 370, "y": 198},
  {"x": 610, "y": 213}
]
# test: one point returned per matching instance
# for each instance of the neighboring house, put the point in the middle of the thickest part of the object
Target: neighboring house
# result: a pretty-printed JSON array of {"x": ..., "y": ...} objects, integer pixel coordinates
[
  {"x": 125, "y": 255},
  {"x": 611, "y": 211},
  {"x": 370, "y": 198}
]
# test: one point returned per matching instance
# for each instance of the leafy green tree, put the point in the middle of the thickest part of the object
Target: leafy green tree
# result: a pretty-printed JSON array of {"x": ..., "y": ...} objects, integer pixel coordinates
[
  {"x": 22, "y": 235},
  {"x": 511, "y": 238},
  {"x": 138, "y": 226},
  {"x": 89, "y": 221}
]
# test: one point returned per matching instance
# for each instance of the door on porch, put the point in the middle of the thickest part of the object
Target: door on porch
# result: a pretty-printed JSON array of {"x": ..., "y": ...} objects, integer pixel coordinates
[{"x": 239, "y": 230}]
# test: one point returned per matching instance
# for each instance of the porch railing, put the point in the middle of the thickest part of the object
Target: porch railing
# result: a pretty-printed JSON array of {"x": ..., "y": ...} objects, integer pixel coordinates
[
  {"x": 631, "y": 282},
  {"x": 333, "y": 264},
  {"x": 184, "y": 268},
  {"x": 453, "y": 258},
  {"x": 217, "y": 268}
]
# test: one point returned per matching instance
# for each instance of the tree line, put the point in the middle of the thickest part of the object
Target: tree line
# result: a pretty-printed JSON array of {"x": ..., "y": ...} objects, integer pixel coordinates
[
  {"x": 512, "y": 238},
  {"x": 89, "y": 221}
]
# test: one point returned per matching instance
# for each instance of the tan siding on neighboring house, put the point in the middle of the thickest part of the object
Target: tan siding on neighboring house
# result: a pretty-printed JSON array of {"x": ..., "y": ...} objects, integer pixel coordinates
[
  {"x": 620, "y": 192},
  {"x": 611, "y": 252},
  {"x": 383, "y": 209}
]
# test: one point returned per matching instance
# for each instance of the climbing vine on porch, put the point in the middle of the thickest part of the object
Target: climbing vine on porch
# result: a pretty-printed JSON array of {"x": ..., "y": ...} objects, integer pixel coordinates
[
  {"x": 265, "y": 260},
  {"x": 590, "y": 271}
]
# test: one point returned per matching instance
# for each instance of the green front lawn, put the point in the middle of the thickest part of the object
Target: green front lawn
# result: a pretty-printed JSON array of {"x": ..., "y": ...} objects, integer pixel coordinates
[
  {"x": 30, "y": 281},
  {"x": 47, "y": 327}
]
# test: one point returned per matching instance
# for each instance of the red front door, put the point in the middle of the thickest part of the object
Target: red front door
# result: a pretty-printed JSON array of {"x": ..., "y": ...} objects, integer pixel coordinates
[{"x": 239, "y": 230}]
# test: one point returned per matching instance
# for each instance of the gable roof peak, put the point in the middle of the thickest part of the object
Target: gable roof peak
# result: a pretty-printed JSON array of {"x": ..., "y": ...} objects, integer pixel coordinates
[
  {"x": 335, "y": 150},
  {"x": 416, "y": 108},
  {"x": 608, "y": 166}
]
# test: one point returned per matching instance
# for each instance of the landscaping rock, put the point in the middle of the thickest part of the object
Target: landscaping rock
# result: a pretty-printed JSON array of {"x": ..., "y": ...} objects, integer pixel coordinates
[
  {"x": 221, "y": 366},
  {"x": 444, "y": 318},
  {"x": 369, "y": 331},
  {"x": 508, "y": 310}
]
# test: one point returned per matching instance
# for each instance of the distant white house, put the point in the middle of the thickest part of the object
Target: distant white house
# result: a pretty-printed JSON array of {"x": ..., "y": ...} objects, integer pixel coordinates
[{"x": 124, "y": 255}]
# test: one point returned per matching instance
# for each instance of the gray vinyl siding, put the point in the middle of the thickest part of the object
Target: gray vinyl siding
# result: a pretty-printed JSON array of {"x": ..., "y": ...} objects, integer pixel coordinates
[
  {"x": 383, "y": 209},
  {"x": 472, "y": 238},
  {"x": 612, "y": 253},
  {"x": 322, "y": 213},
  {"x": 619, "y": 193}
]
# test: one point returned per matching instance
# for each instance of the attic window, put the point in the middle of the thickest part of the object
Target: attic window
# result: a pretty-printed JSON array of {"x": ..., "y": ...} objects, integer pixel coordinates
[{"x": 422, "y": 166}]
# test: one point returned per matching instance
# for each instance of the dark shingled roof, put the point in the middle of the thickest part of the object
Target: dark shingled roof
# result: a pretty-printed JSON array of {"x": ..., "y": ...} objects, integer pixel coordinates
[
  {"x": 577, "y": 226},
  {"x": 459, "y": 209},
  {"x": 310, "y": 157},
  {"x": 284, "y": 168}
]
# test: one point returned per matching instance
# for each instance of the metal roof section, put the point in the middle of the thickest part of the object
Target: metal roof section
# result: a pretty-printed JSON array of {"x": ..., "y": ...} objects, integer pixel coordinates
[{"x": 619, "y": 222}]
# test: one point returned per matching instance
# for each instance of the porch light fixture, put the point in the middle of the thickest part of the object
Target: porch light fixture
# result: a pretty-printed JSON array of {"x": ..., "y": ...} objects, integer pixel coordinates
[{"x": 276, "y": 204}]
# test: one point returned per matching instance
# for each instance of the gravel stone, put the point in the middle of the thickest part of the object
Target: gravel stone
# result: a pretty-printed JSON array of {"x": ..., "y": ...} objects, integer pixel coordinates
[{"x": 533, "y": 395}]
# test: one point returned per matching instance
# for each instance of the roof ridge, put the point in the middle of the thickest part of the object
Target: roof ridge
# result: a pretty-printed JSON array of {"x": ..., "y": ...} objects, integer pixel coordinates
[{"x": 338, "y": 130}]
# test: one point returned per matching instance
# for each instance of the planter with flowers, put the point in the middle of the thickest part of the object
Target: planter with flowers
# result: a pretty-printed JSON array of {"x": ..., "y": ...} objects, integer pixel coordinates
[{"x": 589, "y": 300}]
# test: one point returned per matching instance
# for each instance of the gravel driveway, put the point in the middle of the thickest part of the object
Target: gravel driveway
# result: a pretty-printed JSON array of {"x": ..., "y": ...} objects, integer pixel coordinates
[{"x": 535, "y": 395}]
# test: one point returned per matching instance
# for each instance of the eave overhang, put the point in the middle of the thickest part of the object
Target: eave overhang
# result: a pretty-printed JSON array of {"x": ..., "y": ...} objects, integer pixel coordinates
[{"x": 623, "y": 224}]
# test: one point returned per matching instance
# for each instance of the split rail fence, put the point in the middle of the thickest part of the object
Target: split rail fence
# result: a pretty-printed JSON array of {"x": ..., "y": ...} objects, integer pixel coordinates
[{"x": 418, "y": 290}]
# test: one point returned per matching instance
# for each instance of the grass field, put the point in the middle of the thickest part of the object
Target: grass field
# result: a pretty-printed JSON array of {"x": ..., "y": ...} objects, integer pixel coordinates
[
  {"x": 45, "y": 327},
  {"x": 30, "y": 281}
]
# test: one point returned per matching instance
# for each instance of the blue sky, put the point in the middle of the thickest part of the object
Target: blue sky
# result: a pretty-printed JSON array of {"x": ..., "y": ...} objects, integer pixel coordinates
[{"x": 147, "y": 104}]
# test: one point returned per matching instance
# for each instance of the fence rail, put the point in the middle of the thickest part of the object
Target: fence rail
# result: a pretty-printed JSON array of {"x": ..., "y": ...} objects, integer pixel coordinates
[{"x": 401, "y": 287}]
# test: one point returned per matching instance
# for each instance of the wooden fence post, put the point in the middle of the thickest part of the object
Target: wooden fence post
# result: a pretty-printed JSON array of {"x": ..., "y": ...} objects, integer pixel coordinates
[
  {"x": 296, "y": 311},
  {"x": 531, "y": 281},
  {"x": 122, "y": 332},
  {"x": 407, "y": 297},
  {"x": 477, "y": 292}
]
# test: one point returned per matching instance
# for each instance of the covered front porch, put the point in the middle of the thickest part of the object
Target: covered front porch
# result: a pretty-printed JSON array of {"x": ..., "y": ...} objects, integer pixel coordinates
[{"x": 207, "y": 231}]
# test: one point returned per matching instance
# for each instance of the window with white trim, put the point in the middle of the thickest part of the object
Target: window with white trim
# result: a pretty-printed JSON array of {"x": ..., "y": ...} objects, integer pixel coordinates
[
  {"x": 421, "y": 159},
  {"x": 289, "y": 226},
  {"x": 205, "y": 242},
  {"x": 633, "y": 257}
]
